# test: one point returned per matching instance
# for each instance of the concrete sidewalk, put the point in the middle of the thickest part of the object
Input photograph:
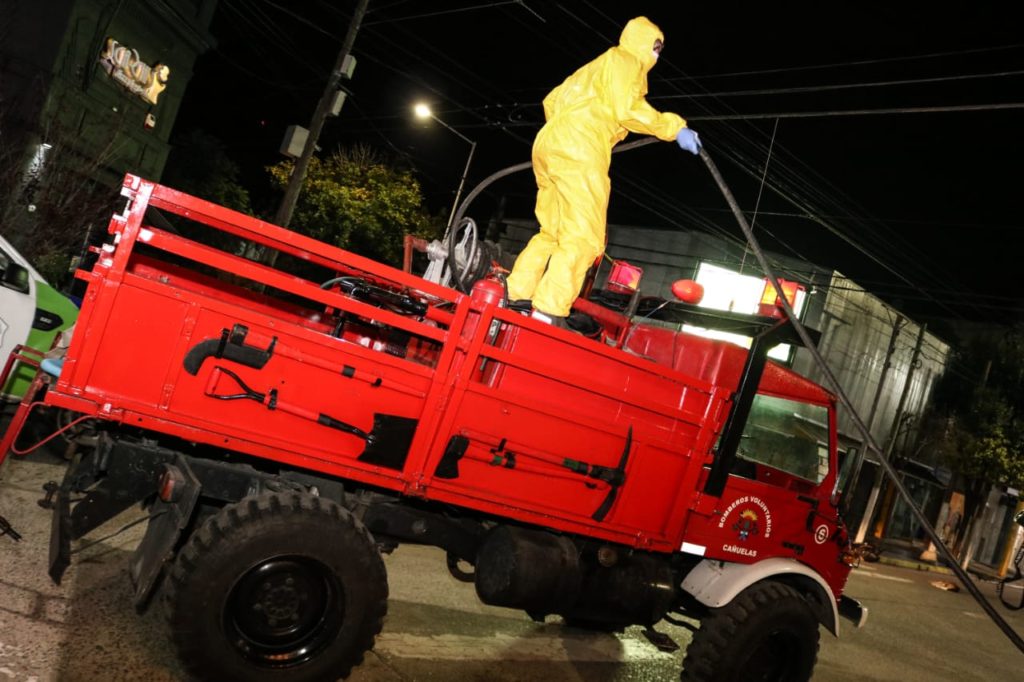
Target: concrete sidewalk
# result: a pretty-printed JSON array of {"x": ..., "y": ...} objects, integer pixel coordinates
[{"x": 907, "y": 555}]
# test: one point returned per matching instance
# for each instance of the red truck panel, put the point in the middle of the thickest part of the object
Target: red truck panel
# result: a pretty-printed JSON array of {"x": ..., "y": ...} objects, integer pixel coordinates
[
  {"x": 718, "y": 363},
  {"x": 545, "y": 424}
]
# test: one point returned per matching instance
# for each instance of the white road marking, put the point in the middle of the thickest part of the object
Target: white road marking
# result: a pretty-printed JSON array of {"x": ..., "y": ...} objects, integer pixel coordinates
[
  {"x": 882, "y": 576},
  {"x": 8, "y": 651},
  {"x": 511, "y": 648},
  {"x": 11, "y": 675}
]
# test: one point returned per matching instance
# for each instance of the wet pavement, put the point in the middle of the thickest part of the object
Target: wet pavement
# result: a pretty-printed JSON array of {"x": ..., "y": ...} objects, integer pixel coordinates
[{"x": 436, "y": 629}]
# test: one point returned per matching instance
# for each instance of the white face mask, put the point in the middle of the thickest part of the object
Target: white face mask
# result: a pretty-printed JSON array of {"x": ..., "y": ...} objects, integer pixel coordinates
[{"x": 655, "y": 55}]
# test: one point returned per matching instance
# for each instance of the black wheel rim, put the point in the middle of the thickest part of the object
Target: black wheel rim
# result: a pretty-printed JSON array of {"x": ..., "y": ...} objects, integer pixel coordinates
[
  {"x": 284, "y": 611},
  {"x": 774, "y": 659}
]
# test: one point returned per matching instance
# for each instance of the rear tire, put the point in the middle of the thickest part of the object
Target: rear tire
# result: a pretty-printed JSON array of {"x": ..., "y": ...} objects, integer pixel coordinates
[
  {"x": 768, "y": 633},
  {"x": 281, "y": 587}
]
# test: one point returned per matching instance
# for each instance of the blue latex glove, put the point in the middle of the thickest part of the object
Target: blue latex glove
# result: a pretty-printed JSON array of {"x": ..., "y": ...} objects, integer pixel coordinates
[{"x": 689, "y": 140}]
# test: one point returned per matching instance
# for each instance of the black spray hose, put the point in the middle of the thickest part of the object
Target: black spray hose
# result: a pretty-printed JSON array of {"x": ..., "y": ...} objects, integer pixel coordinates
[
  {"x": 861, "y": 427},
  {"x": 808, "y": 344}
]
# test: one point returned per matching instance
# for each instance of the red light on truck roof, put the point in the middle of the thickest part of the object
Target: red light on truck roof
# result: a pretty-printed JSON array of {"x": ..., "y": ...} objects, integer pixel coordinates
[
  {"x": 688, "y": 291},
  {"x": 624, "y": 278},
  {"x": 771, "y": 304}
]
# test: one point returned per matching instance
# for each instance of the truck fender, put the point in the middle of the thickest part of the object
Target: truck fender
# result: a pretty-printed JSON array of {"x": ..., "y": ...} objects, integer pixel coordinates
[
  {"x": 167, "y": 521},
  {"x": 716, "y": 583}
]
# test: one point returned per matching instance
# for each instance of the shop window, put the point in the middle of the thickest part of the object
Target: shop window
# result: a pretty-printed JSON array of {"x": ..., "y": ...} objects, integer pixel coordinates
[{"x": 903, "y": 524}]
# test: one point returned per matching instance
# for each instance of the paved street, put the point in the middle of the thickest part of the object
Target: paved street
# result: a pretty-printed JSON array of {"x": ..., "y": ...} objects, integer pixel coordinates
[{"x": 436, "y": 629}]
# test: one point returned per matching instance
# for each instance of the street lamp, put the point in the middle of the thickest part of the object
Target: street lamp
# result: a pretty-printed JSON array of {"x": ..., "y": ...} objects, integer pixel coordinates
[{"x": 423, "y": 111}]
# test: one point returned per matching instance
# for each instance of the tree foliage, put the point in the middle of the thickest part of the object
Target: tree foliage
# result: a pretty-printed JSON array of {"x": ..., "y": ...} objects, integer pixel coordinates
[
  {"x": 199, "y": 165},
  {"x": 50, "y": 198},
  {"x": 355, "y": 200},
  {"x": 981, "y": 409}
]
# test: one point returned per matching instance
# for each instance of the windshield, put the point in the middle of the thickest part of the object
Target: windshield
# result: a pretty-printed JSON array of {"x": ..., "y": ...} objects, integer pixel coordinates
[{"x": 787, "y": 435}]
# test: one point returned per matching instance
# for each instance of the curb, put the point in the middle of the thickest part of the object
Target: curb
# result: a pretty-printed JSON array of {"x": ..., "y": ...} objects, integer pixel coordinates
[{"x": 914, "y": 565}]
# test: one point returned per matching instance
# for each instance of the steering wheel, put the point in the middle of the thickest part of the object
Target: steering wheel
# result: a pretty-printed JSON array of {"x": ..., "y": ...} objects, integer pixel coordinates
[{"x": 463, "y": 253}]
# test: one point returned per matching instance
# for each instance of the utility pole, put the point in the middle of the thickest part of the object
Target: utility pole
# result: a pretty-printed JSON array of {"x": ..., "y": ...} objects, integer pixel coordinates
[
  {"x": 970, "y": 535},
  {"x": 291, "y": 193},
  {"x": 896, "y": 328},
  {"x": 869, "y": 511}
]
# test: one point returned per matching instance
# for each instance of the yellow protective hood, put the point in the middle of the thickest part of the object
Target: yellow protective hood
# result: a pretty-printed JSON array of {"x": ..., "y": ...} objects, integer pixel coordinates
[{"x": 638, "y": 39}]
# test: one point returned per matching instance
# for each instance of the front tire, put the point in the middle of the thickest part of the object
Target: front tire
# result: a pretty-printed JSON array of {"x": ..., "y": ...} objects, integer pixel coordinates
[
  {"x": 768, "y": 633},
  {"x": 281, "y": 587}
]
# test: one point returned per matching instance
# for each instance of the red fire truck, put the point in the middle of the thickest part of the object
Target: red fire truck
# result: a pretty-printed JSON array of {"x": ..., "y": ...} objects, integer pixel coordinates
[{"x": 284, "y": 425}]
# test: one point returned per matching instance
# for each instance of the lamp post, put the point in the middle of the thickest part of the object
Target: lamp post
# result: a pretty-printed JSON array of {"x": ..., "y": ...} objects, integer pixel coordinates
[{"x": 423, "y": 111}]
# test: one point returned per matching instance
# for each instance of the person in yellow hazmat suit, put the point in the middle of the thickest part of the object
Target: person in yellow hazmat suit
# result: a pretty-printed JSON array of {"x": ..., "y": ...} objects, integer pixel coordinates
[{"x": 591, "y": 111}]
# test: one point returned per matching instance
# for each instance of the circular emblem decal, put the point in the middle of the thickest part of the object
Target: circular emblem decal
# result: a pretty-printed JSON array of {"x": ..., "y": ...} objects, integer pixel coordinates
[{"x": 821, "y": 534}]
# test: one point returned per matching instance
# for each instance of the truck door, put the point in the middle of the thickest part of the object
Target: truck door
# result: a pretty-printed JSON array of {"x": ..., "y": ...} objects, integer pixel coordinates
[{"x": 773, "y": 501}]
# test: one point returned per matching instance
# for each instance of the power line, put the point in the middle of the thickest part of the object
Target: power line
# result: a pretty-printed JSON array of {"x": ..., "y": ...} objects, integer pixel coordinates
[
  {"x": 583, "y": 22},
  {"x": 930, "y": 223},
  {"x": 263, "y": 35},
  {"x": 846, "y": 86},
  {"x": 864, "y": 112},
  {"x": 838, "y": 232},
  {"x": 751, "y": 171},
  {"x": 862, "y": 62},
  {"x": 445, "y": 12},
  {"x": 833, "y": 229},
  {"x": 302, "y": 20},
  {"x": 638, "y": 191},
  {"x": 780, "y": 189},
  {"x": 379, "y": 8},
  {"x": 926, "y": 294}
]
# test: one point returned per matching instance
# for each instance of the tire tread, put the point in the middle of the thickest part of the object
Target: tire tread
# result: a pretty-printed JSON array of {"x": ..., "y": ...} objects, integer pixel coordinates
[
  {"x": 708, "y": 653},
  {"x": 220, "y": 531}
]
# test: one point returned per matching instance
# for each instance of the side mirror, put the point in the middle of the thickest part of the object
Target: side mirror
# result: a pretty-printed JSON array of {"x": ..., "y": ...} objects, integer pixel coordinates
[
  {"x": 1018, "y": 518},
  {"x": 847, "y": 477},
  {"x": 15, "y": 277}
]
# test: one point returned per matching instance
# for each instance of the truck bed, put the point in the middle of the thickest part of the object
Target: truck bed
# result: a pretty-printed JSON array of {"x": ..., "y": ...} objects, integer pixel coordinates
[{"x": 460, "y": 401}]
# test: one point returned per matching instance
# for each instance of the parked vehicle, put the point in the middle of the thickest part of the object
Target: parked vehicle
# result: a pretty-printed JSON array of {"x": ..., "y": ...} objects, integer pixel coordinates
[
  {"x": 32, "y": 313},
  {"x": 283, "y": 425},
  {"x": 1011, "y": 588}
]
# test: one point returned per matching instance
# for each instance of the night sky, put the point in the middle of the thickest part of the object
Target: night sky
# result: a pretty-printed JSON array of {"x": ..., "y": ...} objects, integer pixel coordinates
[{"x": 918, "y": 207}]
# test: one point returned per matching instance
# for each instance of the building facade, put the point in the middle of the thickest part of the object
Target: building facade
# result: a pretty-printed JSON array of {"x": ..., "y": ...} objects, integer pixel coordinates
[{"x": 89, "y": 91}]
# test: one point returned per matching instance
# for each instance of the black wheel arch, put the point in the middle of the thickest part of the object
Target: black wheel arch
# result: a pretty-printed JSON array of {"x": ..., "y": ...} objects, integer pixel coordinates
[
  {"x": 816, "y": 596},
  {"x": 712, "y": 584},
  {"x": 768, "y": 632}
]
